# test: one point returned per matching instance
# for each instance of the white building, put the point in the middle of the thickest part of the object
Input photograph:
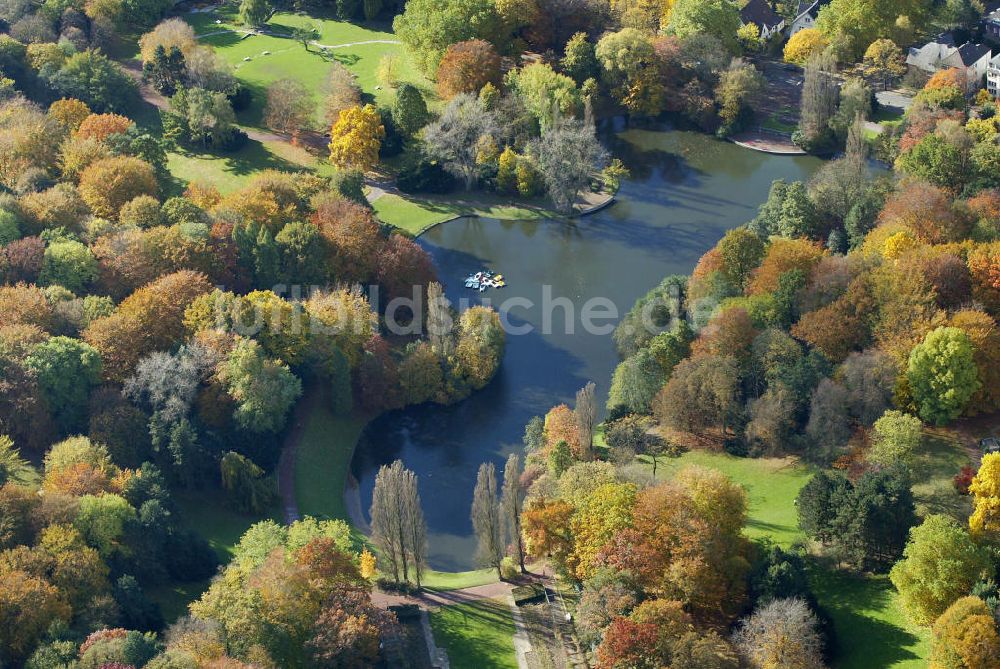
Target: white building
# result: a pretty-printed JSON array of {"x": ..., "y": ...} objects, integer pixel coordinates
[
  {"x": 941, "y": 53},
  {"x": 760, "y": 13},
  {"x": 993, "y": 77},
  {"x": 806, "y": 15}
]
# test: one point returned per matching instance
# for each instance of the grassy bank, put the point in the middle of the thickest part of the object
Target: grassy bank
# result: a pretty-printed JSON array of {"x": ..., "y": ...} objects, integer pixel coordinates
[
  {"x": 415, "y": 215},
  {"x": 323, "y": 461}
]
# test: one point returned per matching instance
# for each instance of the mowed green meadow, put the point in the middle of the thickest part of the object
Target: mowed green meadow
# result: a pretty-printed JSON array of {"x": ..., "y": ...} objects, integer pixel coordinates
[{"x": 261, "y": 59}]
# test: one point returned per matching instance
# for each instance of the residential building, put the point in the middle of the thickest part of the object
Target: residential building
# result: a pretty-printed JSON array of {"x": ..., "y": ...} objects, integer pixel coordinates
[
  {"x": 991, "y": 22},
  {"x": 760, "y": 13},
  {"x": 993, "y": 77},
  {"x": 806, "y": 15},
  {"x": 941, "y": 53}
]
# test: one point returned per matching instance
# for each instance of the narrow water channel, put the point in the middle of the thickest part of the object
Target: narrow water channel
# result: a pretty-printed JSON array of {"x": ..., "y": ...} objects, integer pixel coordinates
[{"x": 686, "y": 189}]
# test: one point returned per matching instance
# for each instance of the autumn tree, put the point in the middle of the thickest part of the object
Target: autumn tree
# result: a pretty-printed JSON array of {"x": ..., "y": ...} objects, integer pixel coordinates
[
  {"x": 896, "y": 436},
  {"x": 148, "y": 320},
  {"x": 985, "y": 491},
  {"x": 984, "y": 267},
  {"x": 585, "y": 412},
  {"x": 356, "y": 137},
  {"x": 107, "y": 184},
  {"x": 29, "y": 606},
  {"x": 631, "y": 69},
  {"x": 466, "y": 67},
  {"x": 718, "y": 18},
  {"x": 941, "y": 563},
  {"x": 512, "y": 504},
  {"x": 546, "y": 93},
  {"x": 740, "y": 251},
  {"x": 69, "y": 113},
  {"x": 289, "y": 107},
  {"x": 102, "y": 126},
  {"x": 942, "y": 375},
  {"x": 783, "y": 633},
  {"x": 803, "y": 45},
  {"x": 579, "y": 61},
  {"x": 342, "y": 92},
  {"x": 884, "y": 62},
  {"x": 702, "y": 392},
  {"x": 398, "y": 525},
  {"x": 965, "y": 636},
  {"x": 819, "y": 103},
  {"x": 429, "y": 27},
  {"x": 739, "y": 86},
  {"x": 487, "y": 520}
]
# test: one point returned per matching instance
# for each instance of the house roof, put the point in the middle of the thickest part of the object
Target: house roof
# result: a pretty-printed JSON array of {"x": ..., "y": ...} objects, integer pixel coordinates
[
  {"x": 992, "y": 14},
  {"x": 759, "y": 13},
  {"x": 810, "y": 7},
  {"x": 929, "y": 56},
  {"x": 967, "y": 55}
]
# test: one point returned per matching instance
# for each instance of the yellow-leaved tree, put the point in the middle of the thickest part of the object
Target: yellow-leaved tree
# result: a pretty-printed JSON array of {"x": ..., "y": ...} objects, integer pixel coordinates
[
  {"x": 356, "y": 138},
  {"x": 985, "y": 491},
  {"x": 803, "y": 45}
]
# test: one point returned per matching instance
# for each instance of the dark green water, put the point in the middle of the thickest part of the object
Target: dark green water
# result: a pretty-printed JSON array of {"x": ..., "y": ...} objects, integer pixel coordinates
[{"x": 685, "y": 191}]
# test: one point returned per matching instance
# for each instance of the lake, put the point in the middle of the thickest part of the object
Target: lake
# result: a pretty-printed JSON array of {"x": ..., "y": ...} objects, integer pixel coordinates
[{"x": 685, "y": 191}]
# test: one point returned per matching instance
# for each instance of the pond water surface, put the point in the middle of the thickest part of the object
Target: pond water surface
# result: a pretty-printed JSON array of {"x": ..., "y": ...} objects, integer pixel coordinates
[{"x": 686, "y": 190}]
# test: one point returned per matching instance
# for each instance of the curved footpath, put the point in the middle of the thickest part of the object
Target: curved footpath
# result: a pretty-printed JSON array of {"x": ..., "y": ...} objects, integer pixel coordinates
[{"x": 767, "y": 142}]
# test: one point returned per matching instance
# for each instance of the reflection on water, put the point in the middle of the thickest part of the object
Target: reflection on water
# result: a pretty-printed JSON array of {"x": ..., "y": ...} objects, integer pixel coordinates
[{"x": 686, "y": 190}]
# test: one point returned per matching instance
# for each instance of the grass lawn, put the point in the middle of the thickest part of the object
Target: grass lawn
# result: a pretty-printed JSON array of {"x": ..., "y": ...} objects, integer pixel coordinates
[
  {"x": 231, "y": 171},
  {"x": 288, "y": 59},
  {"x": 205, "y": 512},
  {"x": 323, "y": 462},
  {"x": 887, "y": 114},
  {"x": 175, "y": 597},
  {"x": 937, "y": 460},
  {"x": 871, "y": 628},
  {"x": 476, "y": 635},
  {"x": 772, "y": 484},
  {"x": 417, "y": 215},
  {"x": 772, "y": 122},
  {"x": 456, "y": 580}
]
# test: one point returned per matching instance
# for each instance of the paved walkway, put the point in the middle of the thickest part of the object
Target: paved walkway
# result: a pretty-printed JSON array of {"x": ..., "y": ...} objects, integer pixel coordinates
[
  {"x": 767, "y": 143},
  {"x": 434, "y": 598},
  {"x": 522, "y": 643}
]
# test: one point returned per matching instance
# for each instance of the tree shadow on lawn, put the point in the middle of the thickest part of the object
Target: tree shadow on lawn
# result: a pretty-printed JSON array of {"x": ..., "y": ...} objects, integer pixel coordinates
[
  {"x": 223, "y": 39},
  {"x": 935, "y": 463},
  {"x": 252, "y": 158},
  {"x": 465, "y": 650},
  {"x": 861, "y": 639}
]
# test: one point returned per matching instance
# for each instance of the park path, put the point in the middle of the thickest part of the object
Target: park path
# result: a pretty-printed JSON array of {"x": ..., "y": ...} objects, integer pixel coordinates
[
  {"x": 289, "y": 451},
  {"x": 428, "y": 598}
]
